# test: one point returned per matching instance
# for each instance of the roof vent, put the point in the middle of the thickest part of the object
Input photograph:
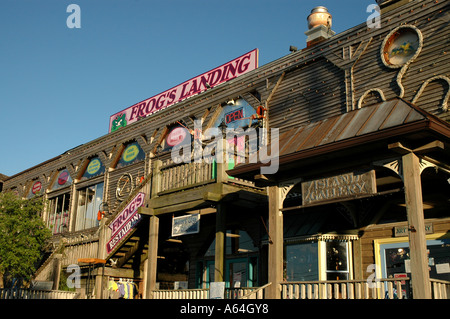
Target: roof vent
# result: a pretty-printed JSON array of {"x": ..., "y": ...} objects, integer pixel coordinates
[{"x": 319, "y": 26}]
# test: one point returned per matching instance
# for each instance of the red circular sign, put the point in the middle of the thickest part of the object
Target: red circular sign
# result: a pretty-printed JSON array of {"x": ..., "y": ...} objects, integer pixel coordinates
[
  {"x": 176, "y": 136},
  {"x": 36, "y": 187},
  {"x": 63, "y": 177}
]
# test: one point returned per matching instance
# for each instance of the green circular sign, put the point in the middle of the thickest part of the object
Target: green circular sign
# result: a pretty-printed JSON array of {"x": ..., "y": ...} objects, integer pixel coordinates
[
  {"x": 130, "y": 153},
  {"x": 94, "y": 166}
]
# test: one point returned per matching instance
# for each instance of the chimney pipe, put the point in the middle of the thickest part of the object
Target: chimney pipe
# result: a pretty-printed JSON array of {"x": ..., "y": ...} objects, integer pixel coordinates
[{"x": 319, "y": 26}]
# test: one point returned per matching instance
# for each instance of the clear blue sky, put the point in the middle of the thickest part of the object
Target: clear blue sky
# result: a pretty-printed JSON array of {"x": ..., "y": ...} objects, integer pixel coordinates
[{"x": 59, "y": 86}]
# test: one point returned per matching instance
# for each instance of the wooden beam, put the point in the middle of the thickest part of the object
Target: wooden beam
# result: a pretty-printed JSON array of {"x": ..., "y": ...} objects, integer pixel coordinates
[
  {"x": 276, "y": 247},
  {"x": 220, "y": 248},
  {"x": 399, "y": 148},
  {"x": 417, "y": 241},
  {"x": 429, "y": 147},
  {"x": 152, "y": 254}
]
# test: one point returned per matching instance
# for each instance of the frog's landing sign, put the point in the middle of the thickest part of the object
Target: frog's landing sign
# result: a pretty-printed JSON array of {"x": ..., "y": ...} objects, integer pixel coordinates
[{"x": 194, "y": 86}]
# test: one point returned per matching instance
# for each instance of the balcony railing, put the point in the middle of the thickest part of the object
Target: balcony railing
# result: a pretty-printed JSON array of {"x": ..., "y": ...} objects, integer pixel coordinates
[
  {"x": 180, "y": 176},
  {"x": 36, "y": 294},
  {"x": 386, "y": 288}
]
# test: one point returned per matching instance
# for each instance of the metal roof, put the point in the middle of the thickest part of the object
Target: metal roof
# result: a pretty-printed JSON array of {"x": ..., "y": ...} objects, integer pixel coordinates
[
  {"x": 393, "y": 118},
  {"x": 367, "y": 120}
]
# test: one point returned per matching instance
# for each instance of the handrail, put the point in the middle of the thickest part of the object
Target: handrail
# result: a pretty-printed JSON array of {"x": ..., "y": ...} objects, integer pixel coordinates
[{"x": 257, "y": 292}]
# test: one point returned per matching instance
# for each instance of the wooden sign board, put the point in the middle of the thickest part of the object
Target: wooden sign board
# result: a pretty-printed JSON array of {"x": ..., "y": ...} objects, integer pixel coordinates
[{"x": 339, "y": 186}]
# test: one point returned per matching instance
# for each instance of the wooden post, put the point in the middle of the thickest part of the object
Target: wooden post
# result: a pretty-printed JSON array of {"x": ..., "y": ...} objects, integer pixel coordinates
[
  {"x": 152, "y": 259},
  {"x": 101, "y": 254},
  {"x": 417, "y": 241},
  {"x": 276, "y": 243},
  {"x": 220, "y": 248},
  {"x": 56, "y": 271},
  {"x": 156, "y": 179}
]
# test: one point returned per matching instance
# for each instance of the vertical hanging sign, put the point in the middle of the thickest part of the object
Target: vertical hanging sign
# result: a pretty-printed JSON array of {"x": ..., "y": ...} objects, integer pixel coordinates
[{"x": 125, "y": 221}]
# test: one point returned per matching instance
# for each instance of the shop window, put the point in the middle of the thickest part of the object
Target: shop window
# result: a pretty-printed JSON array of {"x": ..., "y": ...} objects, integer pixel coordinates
[
  {"x": 63, "y": 180},
  {"x": 94, "y": 168},
  {"x": 131, "y": 154},
  {"x": 317, "y": 260},
  {"x": 88, "y": 204},
  {"x": 395, "y": 260},
  {"x": 302, "y": 262},
  {"x": 337, "y": 260},
  {"x": 58, "y": 217}
]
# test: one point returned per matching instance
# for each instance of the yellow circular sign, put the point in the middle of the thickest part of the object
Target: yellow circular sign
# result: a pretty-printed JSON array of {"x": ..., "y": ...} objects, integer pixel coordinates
[
  {"x": 94, "y": 166},
  {"x": 130, "y": 153}
]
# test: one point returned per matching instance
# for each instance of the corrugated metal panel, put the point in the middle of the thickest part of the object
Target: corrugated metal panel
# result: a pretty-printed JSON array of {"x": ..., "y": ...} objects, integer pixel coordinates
[{"x": 367, "y": 120}]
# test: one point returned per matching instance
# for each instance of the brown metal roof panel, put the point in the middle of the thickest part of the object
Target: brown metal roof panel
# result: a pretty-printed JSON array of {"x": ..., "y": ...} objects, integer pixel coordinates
[
  {"x": 414, "y": 116},
  {"x": 323, "y": 127},
  {"x": 397, "y": 116},
  {"x": 378, "y": 117},
  {"x": 287, "y": 138},
  {"x": 297, "y": 142},
  {"x": 337, "y": 128},
  {"x": 358, "y": 121}
]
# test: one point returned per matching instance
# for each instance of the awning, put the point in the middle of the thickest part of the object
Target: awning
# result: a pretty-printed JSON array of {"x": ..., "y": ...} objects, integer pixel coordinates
[{"x": 380, "y": 122}]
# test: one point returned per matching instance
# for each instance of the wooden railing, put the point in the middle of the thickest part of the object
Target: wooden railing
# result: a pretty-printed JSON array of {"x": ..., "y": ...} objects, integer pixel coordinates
[
  {"x": 440, "y": 289},
  {"x": 345, "y": 289},
  {"x": 181, "y": 294},
  {"x": 36, "y": 294},
  {"x": 179, "y": 176},
  {"x": 257, "y": 293},
  {"x": 358, "y": 289}
]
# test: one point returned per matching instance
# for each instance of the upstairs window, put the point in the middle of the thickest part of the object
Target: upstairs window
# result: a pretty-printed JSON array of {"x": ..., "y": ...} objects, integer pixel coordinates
[
  {"x": 88, "y": 205},
  {"x": 58, "y": 217}
]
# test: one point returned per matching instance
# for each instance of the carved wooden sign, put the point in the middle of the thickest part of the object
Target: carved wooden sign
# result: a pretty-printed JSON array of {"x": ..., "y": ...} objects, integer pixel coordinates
[{"x": 339, "y": 186}]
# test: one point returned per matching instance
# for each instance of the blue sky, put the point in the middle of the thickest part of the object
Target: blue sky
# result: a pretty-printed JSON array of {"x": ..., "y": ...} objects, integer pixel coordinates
[{"x": 59, "y": 85}]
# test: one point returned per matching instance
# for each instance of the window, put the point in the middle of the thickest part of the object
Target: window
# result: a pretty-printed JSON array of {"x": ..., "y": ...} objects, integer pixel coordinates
[
  {"x": 337, "y": 260},
  {"x": 58, "y": 217},
  {"x": 317, "y": 260},
  {"x": 302, "y": 262},
  {"x": 88, "y": 204}
]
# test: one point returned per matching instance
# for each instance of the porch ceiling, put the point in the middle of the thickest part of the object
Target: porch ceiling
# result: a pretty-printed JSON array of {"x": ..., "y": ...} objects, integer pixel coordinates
[{"x": 357, "y": 134}]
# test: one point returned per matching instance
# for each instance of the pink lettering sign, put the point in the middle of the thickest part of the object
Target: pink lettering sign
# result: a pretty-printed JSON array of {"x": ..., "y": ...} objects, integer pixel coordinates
[
  {"x": 122, "y": 218},
  {"x": 221, "y": 74}
]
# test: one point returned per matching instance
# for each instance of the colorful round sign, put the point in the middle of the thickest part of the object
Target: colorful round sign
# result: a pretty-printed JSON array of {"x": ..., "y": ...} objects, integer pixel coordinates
[
  {"x": 63, "y": 177},
  {"x": 94, "y": 166},
  {"x": 36, "y": 187},
  {"x": 176, "y": 136},
  {"x": 130, "y": 153}
]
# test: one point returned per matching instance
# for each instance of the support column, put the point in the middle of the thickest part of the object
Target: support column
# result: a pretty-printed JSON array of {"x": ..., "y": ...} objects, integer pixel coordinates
[
  {"x": 417, "y": 241},
  {"x": 152, "y": 259},
  {"x": 275, "y": 244},
  {"x": 220, "y": 248},
  {"x": 101, "y": 254}
]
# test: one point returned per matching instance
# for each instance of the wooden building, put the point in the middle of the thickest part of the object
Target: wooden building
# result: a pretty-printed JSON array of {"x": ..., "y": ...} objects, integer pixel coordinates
[{"x": 361, "y": 191}]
